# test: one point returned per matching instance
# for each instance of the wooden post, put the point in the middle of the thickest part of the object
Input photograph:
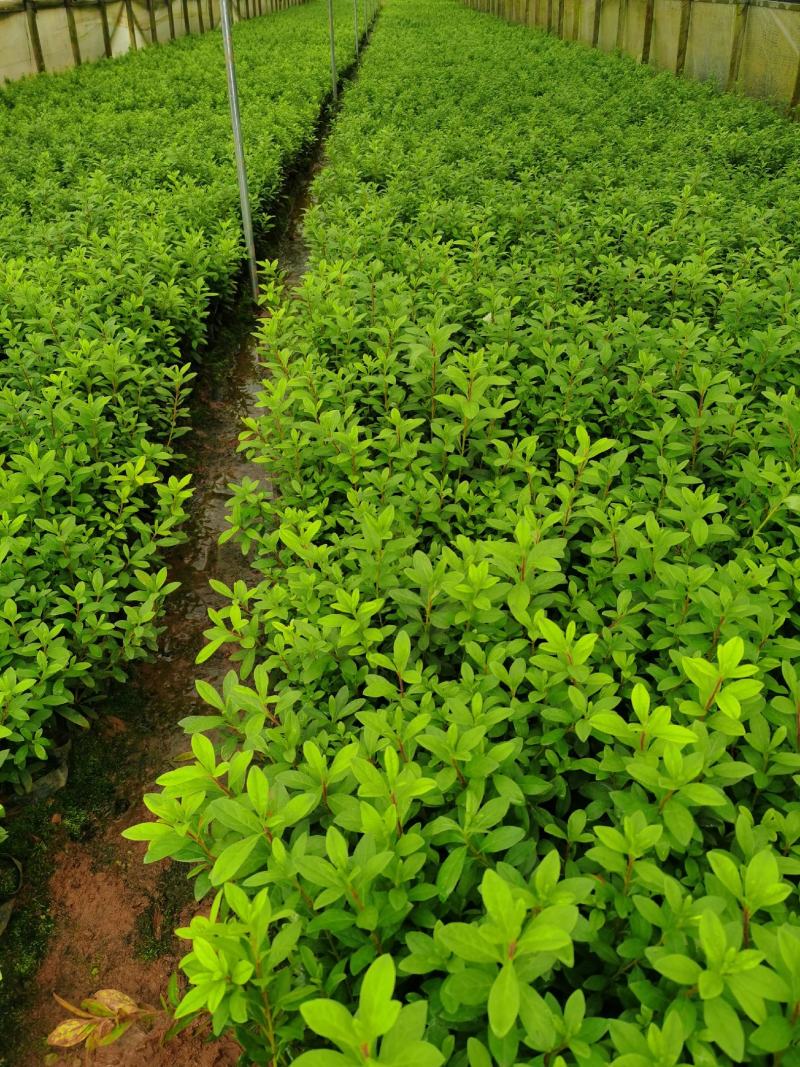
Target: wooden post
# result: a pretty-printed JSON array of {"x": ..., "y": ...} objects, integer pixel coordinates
[
  {"x": 33, "y": 34},
  {"x": 186, "y": 26},
  {"x": 527, "y": 12},
  {"x": 131, "y": 24},
  {"x": 101, "y": 7},
  {"x": 621, "y": 13},
  {"x": 200, "y": 16},
  {"x": 683, "y": 36},
  {"x": 794, "y": 103},
  {"x": 560, "y": 18},
  {"x": 576, "y": 19},
  {"x": 151, "y": 15},
  {"x": 73, "y": 33},
  {"x": 549, "y": 16},
  {"x": 648, "y": 30},
  {"x": 171, "y": 20},
  {"x": 598, "y": 7},
  {"x": 211, "y": 14},
  {"x": 737, "y": 47}
]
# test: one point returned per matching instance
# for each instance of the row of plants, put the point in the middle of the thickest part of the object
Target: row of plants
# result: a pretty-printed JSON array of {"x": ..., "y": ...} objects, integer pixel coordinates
[
  {"x": 506, "y": 769},
  {"x": 119, "y": 233}
]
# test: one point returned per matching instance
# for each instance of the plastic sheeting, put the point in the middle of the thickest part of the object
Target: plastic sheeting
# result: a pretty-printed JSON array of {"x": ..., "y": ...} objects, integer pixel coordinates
[
  {"x": 765, "y": 59},
  {"x": 16, "y": 49}
]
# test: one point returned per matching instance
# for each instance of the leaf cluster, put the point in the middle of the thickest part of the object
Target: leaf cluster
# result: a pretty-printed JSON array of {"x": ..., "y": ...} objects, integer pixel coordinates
[{"x": 515, "y": 702}]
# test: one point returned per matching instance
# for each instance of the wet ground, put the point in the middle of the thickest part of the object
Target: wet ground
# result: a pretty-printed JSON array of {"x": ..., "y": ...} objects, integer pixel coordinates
[{"x": 109, "y": 919}]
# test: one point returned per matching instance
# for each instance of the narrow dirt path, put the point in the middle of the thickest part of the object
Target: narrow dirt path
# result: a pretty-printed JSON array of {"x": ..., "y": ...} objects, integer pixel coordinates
[{"x": 111, "y": 918}]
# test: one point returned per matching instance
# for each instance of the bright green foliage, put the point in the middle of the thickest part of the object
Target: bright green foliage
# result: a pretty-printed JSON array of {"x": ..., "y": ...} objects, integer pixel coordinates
[
  {"x": 118, "y": 231},
  {"x": 515, "y": 701}
]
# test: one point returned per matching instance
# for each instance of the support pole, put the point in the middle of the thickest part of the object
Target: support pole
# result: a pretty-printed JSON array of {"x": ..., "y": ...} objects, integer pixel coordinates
[
  {"x": 334, "y": 75},
  {"x": 737, "y": 47},
  {"x": 598, "y": 7},
  {"x": 647, "y": 41},
  {"x": 355, "y": 23},
  {"x": 683, "y": 36},
  {"x": 73, "y": 33},
  {"x": 101, "y": 7},
  {"x": 236, "y": 124},
  {"x": 151, "y": 14},
  {"x": 171, "y": 20},
  {"x": 794, "y": 103},
  {"x": 131, "y": 24},
  {"x": 33, "y": 33},
  {"x": 622, "y": 12}
]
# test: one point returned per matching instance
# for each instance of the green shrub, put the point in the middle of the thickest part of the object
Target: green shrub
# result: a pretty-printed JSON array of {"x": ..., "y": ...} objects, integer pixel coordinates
[
  {"x": 515, "y": 703},
  {"x": 119, "y": 231}
]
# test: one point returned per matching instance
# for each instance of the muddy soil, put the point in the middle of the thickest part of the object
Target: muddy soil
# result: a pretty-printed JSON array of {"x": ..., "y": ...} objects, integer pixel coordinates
[{"x": 110, "y": 918}]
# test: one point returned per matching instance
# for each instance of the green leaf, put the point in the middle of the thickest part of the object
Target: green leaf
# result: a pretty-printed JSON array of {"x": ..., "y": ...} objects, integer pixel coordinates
[
  {"x": 402, "y": 651},
  {"x": 420, "y": 1053},
  {"x": 450, "y": 872},
  {"x": 724, "y": 1027},
  {"x": 543, "y": 938},
  {"x": 376, "y": 1009},
  {"x": 537, "y": 1020},
  {"x": 712, "y": 936},
  {"x": 322, "y": 1058},
  {"x": 468, "y": 943},
  {"x": 500, "y": 904},
  {"x": 727, "y": 871},
  {"x": 678, "y": 968},
  {"x": 775, "y": 1035},
  {"x": 574, "y": 1012},
  {"x": 678, "y": 821},
  {"x": 761, "y": 876},
  {"x": 330, "y": 1020},
  {"x": 478, "y": 1054},
  {"x": 231, "y": 860},
  {"x": 409, "y": 1028},
  {"x": 518, "y": 599},
  {"x": 504, "y": 1000}
]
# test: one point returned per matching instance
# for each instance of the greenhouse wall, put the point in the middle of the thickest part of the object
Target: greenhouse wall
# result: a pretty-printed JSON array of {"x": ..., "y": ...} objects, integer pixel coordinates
[
  {"x": 752, "y": 47},
  {"x": 39, "y": 35}
]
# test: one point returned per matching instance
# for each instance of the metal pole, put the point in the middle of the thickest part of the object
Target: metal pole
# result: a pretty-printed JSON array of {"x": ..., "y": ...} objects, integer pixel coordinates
[
  {"x": 334, "y": 76},
  {"x": 236, "y": 123},
  {"x": 355, "y": 18}
]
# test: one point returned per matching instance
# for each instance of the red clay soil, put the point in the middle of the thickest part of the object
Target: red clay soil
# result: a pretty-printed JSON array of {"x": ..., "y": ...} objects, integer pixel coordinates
[
  {"x": 100, "y": 889},
  {"x": 96, "y": 908}
]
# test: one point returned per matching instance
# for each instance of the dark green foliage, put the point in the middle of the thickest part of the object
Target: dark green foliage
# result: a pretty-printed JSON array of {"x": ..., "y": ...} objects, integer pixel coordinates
[
  {"x": 516, "y": 701},
  {"x": 119, "y": 231}
]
